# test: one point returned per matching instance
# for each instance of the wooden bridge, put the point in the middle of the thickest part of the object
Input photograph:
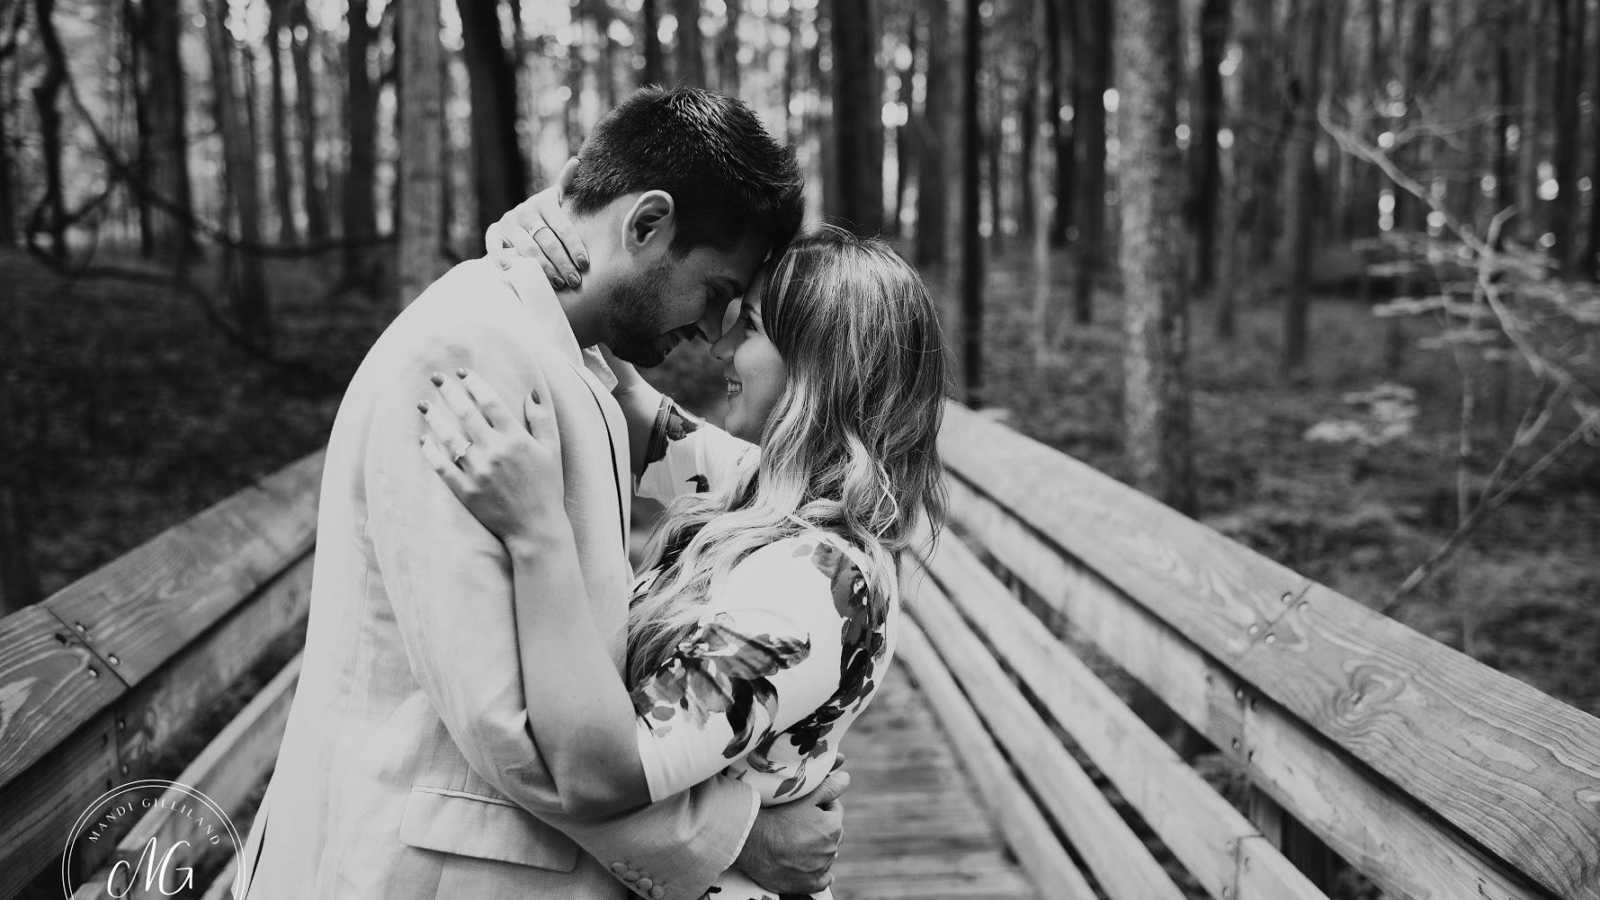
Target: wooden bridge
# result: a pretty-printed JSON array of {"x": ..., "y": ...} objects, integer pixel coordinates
[{"x": 1011, "y": 754}]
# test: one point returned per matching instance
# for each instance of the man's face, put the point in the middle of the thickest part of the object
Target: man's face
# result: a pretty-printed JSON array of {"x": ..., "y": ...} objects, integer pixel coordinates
[{"x": 674, "y": 299}]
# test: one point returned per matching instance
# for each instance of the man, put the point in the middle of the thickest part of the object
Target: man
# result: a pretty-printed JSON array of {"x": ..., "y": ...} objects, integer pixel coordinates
[{"x": 407, "y": 767}]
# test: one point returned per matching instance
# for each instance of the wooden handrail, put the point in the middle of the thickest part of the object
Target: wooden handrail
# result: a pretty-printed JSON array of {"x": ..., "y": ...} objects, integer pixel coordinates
[
  {"x": 66, "y": 659},
  {"x": 103, "y": 681},
  {"x": 1510, "y": 767}
]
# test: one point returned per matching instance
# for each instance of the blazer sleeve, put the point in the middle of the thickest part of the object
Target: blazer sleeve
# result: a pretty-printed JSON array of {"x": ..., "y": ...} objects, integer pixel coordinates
[{"x": 449, "y": 583}]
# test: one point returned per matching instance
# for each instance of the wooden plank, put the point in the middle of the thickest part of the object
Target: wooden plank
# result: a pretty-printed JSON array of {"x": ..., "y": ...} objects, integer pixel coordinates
[
  {"x": 142, "y": 608},
  {"x": 158, "y": 722},
  {"x": 165, "y": 708},
  {"x": 43, "y": 802},
  {"x": 1200, "y": 828},
  {"x": 890, "y": 845},
  {"x": 51, "y": 684},
  {"x": 1508, "y": 765},
  {"x": 222, "y": 886},
  {"x": 1024, "y": 827},
  {"x": 1381, "y": 833},
  {"x": 1119, "y": 861},
  {"x": 227, "y": 771}
]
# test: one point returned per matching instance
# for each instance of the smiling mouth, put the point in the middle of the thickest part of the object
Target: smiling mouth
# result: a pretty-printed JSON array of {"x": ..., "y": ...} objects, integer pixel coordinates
[{"x": 734, "y": 388}]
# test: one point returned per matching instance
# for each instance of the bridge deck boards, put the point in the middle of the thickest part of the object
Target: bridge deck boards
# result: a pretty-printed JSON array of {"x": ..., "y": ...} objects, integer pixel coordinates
[{"x": 914, "y": 827}]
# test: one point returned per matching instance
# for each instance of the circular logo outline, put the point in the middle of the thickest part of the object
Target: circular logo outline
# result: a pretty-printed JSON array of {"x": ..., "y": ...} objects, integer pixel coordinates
[{"x": 167, "y": 786}]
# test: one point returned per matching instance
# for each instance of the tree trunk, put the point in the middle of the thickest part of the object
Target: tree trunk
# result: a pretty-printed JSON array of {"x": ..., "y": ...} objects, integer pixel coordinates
[
  {"x": 1062, "y": 134},
  {"x": 1571, "y": 32},
  {"x": 1039, "y": 199},
  {"x": 1361, "y": 215},
  {"x": 361, "y": 174},
  {"x": 421, "y": 174},
  {"x": 1093, "y": 78},
  {"x": 1027, "y": 116},
  {"x": 905, "y": 136},
  {"x": 655, "y": 66},
  {"x": 19, "y": 580},
  {"x": 1592, "y": 246},
  {"x": 971, "y": 240},
  {"x": 993, "y": 146},
  {"x": 932, "y": 221},
  {"x": 282, "y": 182},
  {"x": 728, "y": 51},
  {"x": 858, "y": 114},
  {"x": 163, "y": 160},
  {"x": 311, "y": 182},
  {"x": 689, "y": 54},
  {"x": 8, "y": 196},
  {"x": 1156, "y": 401},
  {"x": 50, "y": 215},
  {"x": 1206, "y": 156},
  {"x": 8, "y": 96},
  {"x": 1535, "y": 84},
  {"x": 248, "y": 287},
  {"x": 600, "y": 13},
  {"x": 500, "y": 175},
  {"x": 1259, "y": 134},
  {"x": 1409, "y": 212},
  {"x": 1300, "y": 188}
]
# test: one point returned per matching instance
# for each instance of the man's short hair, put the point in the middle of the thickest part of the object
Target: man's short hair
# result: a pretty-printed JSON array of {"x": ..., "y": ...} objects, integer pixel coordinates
[{"x": 727, "y": 176}]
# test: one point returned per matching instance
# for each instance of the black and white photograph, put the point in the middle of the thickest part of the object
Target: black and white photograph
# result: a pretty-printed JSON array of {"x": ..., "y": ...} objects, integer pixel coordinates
[{"x": 800, "y": 449}]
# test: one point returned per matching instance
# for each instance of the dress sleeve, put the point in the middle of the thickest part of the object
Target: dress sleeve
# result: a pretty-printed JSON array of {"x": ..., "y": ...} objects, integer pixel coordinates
[
  {"x": 688, "y": 455},
  {"x": 765, "y": 655}
]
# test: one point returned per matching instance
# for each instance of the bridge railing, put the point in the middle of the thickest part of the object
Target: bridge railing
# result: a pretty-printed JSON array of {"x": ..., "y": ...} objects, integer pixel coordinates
[
  {"x": 1428, "y": 773},
  {"x": 1354, "y": 736},
  {"x": 121, "y": 676}
]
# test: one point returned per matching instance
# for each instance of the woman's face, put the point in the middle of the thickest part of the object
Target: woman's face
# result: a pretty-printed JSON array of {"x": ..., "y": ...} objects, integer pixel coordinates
[{"x": 755, "y": 373}]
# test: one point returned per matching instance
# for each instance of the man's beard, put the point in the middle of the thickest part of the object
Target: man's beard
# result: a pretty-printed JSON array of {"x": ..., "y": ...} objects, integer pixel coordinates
[{"x": 633, "y": 318}]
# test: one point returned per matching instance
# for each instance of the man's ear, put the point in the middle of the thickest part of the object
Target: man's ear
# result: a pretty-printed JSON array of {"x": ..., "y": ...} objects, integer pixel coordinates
[
  {"x": 651, "y": 222},
  {"x": 564, "y": 180}
]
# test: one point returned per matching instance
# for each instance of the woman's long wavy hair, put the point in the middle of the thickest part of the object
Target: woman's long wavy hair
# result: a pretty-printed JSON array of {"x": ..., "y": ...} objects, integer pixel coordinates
[{"x": 850, "y": 447}]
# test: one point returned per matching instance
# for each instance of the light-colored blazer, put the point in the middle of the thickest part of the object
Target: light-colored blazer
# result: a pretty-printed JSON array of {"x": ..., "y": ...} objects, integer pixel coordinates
[{"x": 407, "y": 769}]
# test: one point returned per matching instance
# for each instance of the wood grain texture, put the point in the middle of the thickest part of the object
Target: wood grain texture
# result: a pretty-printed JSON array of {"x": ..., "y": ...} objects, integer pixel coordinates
[
  {"x": 163, "y": 716},
  {"x": 165, "y": 708},
  {"x": 142, "y": 608},
  {"x": 1201, "y": 828},
  {"x": 51, "y": 684},
  {"x": 41, "y": 805},
  {"x": 914, "y": 826},
  {"x": 1025, "y": 829},
  {"x": 1511, "y": 767},
  {"x": 1387, "y": 836},
  {"x": 227, "y": 771},
  {"x": 1114, "y": 855}
]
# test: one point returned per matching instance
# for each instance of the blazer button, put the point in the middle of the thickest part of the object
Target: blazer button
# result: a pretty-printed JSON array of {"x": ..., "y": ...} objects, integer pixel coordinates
[
  {"x": 631, "y": 875},
  {"x": 645, "y": 884},
  {"x": 619, "y": 868},
  {"x": 657, "y": 892}
]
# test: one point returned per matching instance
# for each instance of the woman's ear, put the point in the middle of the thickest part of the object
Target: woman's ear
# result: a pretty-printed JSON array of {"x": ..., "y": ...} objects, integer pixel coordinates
[{"x": 652, "y": 221}]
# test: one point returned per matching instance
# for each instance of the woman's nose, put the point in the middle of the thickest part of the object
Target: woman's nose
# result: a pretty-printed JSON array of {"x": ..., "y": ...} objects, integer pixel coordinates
[{"x": 723, "y": 349}]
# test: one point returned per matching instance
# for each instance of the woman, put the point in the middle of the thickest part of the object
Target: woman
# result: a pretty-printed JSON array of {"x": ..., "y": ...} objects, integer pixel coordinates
[{"x": 764, "y": 620}]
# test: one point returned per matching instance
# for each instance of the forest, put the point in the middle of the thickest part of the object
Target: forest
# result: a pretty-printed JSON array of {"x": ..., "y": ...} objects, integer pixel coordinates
[{"x": 1320, "y": 273}]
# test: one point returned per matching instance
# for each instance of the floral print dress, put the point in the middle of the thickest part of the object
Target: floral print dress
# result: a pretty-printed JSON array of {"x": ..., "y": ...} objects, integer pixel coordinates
[{"x": 791, "y": 647}]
